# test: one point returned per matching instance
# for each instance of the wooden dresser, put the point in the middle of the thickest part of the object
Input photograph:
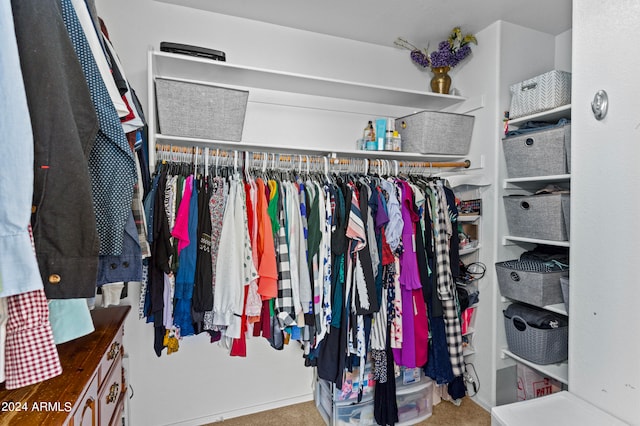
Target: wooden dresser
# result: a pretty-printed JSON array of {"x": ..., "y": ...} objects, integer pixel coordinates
[{"x": 91, "y": 389}]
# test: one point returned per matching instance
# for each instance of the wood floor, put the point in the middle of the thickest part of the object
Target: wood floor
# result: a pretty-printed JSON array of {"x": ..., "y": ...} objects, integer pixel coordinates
[{"x": 306, "y": 414}]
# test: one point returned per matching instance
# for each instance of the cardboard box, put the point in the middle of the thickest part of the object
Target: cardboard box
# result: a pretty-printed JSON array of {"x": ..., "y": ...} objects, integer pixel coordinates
[{"x": 532, "y": 384}]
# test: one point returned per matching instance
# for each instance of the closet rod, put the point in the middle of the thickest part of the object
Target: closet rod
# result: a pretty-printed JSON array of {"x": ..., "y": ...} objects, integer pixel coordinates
[
  {"x": 317, "y": 158},
  {"x": 428, "y": 164}
]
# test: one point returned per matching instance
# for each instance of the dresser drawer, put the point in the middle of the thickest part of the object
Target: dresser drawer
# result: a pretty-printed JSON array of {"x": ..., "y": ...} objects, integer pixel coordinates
[
  {"x": 110, "y": 357},
  {"x": 86, "y": 412},
  {"x": 110, "y": 393}
]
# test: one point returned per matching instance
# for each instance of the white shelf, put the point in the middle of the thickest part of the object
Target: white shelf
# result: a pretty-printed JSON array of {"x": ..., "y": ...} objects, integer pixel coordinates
[
  {"x": 186, "y": 68},
  {"x": 558, "y": 308},
  {"x": 470, "y": 330},
  {"x": 509, "y": 238},
  {"x": 469, "y": 250},
  {"x": 468, "y": 351},
  {"x": 534, "y": 182},
  {"x": 468, "y": 218},
  {"x": 559, "y": 372},
  {"x": 258, "y": 147},
  {"x": 550, "y": 115}
]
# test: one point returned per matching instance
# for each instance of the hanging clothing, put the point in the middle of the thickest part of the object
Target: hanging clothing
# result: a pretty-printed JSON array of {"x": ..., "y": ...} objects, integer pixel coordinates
[
  {"x": 64, "y": 125},
  {"x": 111, "y": 164},
  {"x": 445, "y": 284},
  {"x": 30, "y": 352},
  {"x": 18, "y": 265}
]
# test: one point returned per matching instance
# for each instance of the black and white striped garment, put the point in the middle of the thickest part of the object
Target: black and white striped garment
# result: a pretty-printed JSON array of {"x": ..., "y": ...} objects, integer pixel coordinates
[
  {"x": 445, "y": 283},
  {"x": 284, "y": 302}
]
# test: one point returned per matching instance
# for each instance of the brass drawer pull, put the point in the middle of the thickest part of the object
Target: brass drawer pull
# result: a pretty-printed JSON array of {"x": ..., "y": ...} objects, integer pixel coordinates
[
  {"x": 113, "y": 393},
  {"x": 113, "y": 352}
]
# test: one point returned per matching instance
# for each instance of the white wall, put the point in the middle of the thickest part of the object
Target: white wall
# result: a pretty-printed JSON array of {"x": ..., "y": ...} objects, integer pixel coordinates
[{"x": 202, "y": 383}]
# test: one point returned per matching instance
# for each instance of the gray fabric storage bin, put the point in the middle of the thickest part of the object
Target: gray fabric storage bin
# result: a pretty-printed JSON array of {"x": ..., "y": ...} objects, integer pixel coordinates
[
  {"x": 433, "y": 132},
  {"x": 536, "y": 216},
  {"x": 566, "y": 215},
  {"x": 564, "y": 285},
  {"x": 541, "y": 93},
  {"x": 538, "y": 345},
  {"x": 535, "y": 288},
  {"x": 543, "y": 153},
  {"x": 202, "y": 111}
]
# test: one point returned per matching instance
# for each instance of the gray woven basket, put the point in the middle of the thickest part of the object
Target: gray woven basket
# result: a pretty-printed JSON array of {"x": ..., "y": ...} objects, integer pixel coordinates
[
  {"x": 435, "y": 132},
  {"x": 541, "y": 346},
  {"x": 202, "y": 111}
]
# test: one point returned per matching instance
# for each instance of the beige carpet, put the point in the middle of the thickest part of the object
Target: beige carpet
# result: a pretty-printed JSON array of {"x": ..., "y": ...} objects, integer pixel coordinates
[{"x": 306, "y": 414}]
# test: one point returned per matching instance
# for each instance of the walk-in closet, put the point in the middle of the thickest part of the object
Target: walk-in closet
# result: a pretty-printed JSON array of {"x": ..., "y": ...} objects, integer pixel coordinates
[{"x": 359, "y": 212}]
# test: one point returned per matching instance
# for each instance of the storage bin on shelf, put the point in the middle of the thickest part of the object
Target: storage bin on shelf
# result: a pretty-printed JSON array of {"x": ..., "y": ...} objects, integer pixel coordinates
[
  {"x": 198, "y": 110},
  {"x": 540, "y": 93},
  {"x": 530, "y": 282},
  {"x": 564, "y": 286},
  {"x": 434, "y": 132},
  {"x": 539, "y": 153},
  {"x": 535, "y": 334},
  {"x": 536, "y": 216}
]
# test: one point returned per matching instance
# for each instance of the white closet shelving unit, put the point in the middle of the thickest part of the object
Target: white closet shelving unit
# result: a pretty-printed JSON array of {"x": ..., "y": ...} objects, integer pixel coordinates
[
  {"x": 285, "y": 92},
  {"x": 530, "y": 184},
  {"x": 288, "y": 92}
]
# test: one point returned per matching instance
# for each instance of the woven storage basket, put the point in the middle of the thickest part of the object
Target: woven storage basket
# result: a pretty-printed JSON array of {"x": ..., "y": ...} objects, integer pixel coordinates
[
  {"x": 533, "y": 287},
  {"x": 433, "y": 132},
  {"x": 541, "y": 346},
  {"x": 536, "y": 216},
  {"x": 200, "y": 111},
  {"x": 541, "y": 93},
  {"x": 542, "y": 153}
]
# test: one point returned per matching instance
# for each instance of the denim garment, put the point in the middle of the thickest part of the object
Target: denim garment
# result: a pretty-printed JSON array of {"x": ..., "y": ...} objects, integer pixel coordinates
[
  {"x": 64, "y": 127},
  {"x": 18, "y": 266},
  {"x": 127, "y": 266}
]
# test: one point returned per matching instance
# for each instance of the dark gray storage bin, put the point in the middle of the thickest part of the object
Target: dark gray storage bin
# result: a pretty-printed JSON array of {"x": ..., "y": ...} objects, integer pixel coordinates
[
  {"x": 433, "y": 132},
  {"x": 536, "y": 216},
  {"x": 564, "y": 285},
  {"x": 527, "y": 338},
  {"x": 199, "y": 110},
  {"x": 543, "y": 153},
  {"x": 535, "y": 288}
]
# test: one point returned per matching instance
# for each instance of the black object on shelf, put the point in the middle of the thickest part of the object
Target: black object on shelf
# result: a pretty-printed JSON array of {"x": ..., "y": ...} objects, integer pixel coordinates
[{"x": 185, "y": 49}]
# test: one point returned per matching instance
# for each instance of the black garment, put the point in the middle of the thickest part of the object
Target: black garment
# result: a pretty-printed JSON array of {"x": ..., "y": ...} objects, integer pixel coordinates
[
  {"x": 454, "y": 242},
  {"x": 64, "y": 126},
  {"x": 159, "y": 263},
  {"x": 385, "y": 405},
  {"x": 203, "y": 290}
]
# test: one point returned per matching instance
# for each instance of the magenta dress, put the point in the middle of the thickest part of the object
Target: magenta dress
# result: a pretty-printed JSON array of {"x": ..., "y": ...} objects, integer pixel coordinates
[{"x": 414, "y": 320}]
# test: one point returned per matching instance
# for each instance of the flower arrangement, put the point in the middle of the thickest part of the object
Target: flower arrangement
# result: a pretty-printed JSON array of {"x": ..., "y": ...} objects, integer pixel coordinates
[{"x": 449, "y": 54}]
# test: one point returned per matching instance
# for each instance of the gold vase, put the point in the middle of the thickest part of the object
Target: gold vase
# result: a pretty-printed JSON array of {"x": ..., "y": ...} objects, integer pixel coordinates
[{"x": 441, "y": 82}]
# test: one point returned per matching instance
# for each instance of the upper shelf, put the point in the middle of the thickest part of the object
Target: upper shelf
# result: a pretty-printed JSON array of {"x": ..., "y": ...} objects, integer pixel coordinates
[
  {"x": 551, "y": 115},
  {"x": 170, "y": 65}
]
